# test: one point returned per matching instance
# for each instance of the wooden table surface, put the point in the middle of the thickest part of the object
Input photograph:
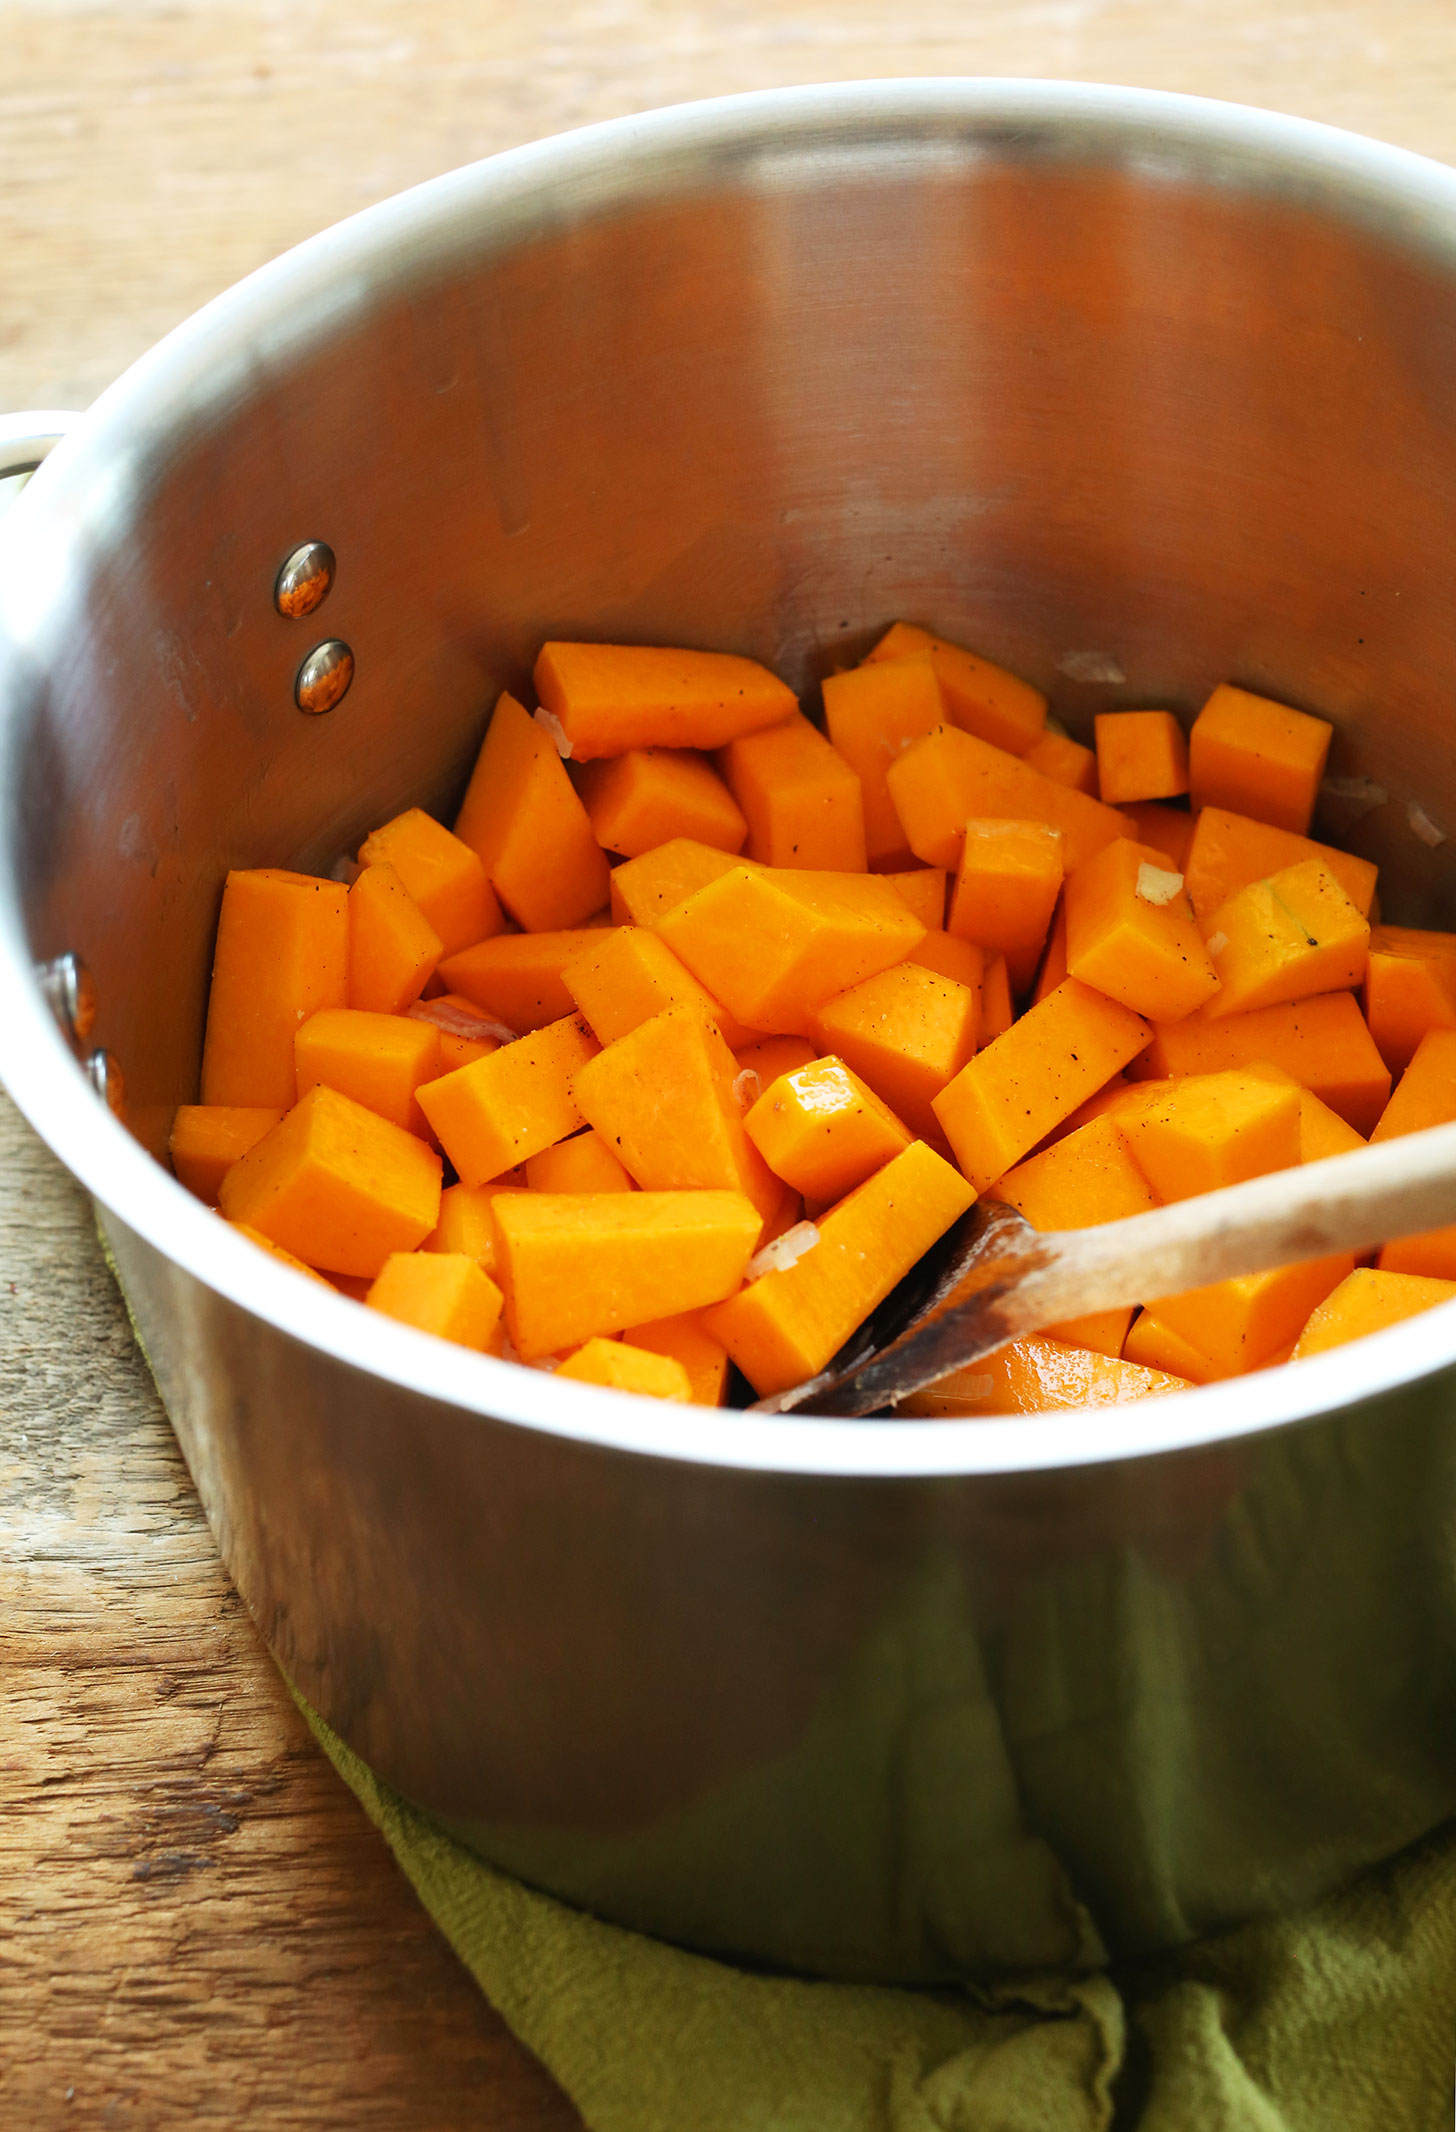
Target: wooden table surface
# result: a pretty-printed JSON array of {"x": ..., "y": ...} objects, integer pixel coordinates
[{"x": 197, "y": 1925}]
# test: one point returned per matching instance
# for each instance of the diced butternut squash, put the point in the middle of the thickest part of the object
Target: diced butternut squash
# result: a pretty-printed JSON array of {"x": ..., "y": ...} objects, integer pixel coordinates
[
  {"x": 392, "y": 949},
  {"x": 921, "y": 890},
  {"x": 282, "y": 953},
  {"x": 1053, "y": 968},
  {"x": 1033, "y": 1075},
  {"x": 1321, "y": 1043},
  {"x": 645, "y": 889},
  {"x": 1153, "y": 1345},
  {"x": 1410, "y": 989},
  {"x": 1065, "y": 761},
  {"x": 801, "y": 800},
  {"x": 648, "y": 796},
  {"x": 1166, "y": 829},
  {"x": 1213, "y": 1130},
  {"x": 1131, "y": 934},
  {"x": 687, "y": 1340},
  {"x": 208, "y": 1138},
  {"x": 1006, "y": 888},
  {"x": 1322, "y": 1131},
  {"x": 1432, "y": 1253},
  {"x": 959, "y": 960},
  {"x": 823, "y": 1130},
  {"x": 1228, "y": 851},
  {"x": 979, "y": 697},
  {"x": 286, "y": 1258},
  {"x": 907, "y": 1033},
  {"x": 442, "y": 1292},
  {"x": 788, "y": 1324},
  {"x": 622, "y": 1367},
  {"x": 998, "y": 1011},
  {"x": 773, "y": 945},
  {"x": 612, "y": 697},
  {"x": 1257, "y": 757},
  {"x": 663, "y": 1099},
  {"x": 502, "y": 1110},
  {"x": 380, "y": 1060},
  {"x": 1141, "y": 755},
  {"x": 1035, "y": 1376},
  {"x": 584, "y": 1163},
  {"x": 465, "y": 1222},
  {"x": 575, "y": 1264},
  {"x": 768, "y": 1058},
  {"x": 519, "y": 979},
  {"x": 522, "y": 817},
  {"x": 1242, "y": 1324},
  {"x": 871, "y": 712},
  {"x": 1286, "y": 939},
  {"x": 337, "y": 1185},
  {"x": 949, "y": 778},
  {"x": 443, "y": 875},
  {"x": 1367, "y": 1301},
  {"x": 628, "y": 974},
  {"x": 1086, "y": 1178},
  {"x": 1425, "y": 1094}
]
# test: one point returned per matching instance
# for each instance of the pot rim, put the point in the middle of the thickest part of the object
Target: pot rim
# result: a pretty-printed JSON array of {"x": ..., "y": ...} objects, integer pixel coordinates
[{"x": 1153, "y": 133}]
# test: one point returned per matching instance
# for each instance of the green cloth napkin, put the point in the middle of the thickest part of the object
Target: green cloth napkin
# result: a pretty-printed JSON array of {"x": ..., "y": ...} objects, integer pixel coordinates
[{"x": 1340, "y": 2017}]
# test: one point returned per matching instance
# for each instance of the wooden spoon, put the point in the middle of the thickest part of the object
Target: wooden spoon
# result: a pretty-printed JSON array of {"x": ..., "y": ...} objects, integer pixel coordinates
[{"x": 994, "y": 1278}]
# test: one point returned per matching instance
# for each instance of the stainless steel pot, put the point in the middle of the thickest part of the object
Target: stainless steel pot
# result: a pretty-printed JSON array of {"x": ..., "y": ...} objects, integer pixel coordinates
[{"x": 1132, "y": 392}]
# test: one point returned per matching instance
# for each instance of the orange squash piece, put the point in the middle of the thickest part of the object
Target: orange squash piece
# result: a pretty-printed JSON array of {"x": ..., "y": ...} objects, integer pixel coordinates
[
  {"x": 1152, "y": 1345},
  {"x": 871, "y": 712},
  {"x": 392, "y": 950},
  {"x": 922, "y": 890},
  {"x": 575, "y": 1264},
  {"x": 1212, "y": 1130},
  {"x": 519, "y": 979},
  {"x": 950, "y": 778},
  {"x": 1165, "y": 829},
  {"x": 628, "y": 974},
  {"x": 786, "y": 1325},
  {"x": 979, "y": 697},
  {"x": 337, "y": 1185},
  {"x": 380, "y": 1060},
  {"x": 622, "y": 1367},
  {"x": 959, "y": 960},
  {"x": 584, "y": 1163},
  {"x": 801, "y": 799},
  {"x": 1085, "y": 1178},
  {"x": 997, "y": 1010},
  {"x": 823, "y": 1130},
  {"x": 1410, "y": 989},
  {"x": 612, "y": 697},
  {"x": 907, "y": 1033},
  {"x": 1322, "y": 1131},
  {"x": 1425, "y": 1094},
  {"x": 1141, "y": 755},
  {"x": 648, "y": 796},
  {"x": 1431, "y": 1253},
  {"x": 1034, "y": 1377},
  {"x": 768, "y": 1058},
  {"x": 1322, "y": 1043},
  {"x": 1033, "y": 1075},
  {"x": 286, "y": 1258},
  {"x": 208, "y": 1138},
  {"x": 1365, "y": 1302},
  {"x": 1257, "y": 757},
  {"x": 1286, "y": 939},
  {"x": 445, "y": 1293},
  {"x": 664, "y": 1100},
  {"x": 645, "y": 889},
  {"x": 497, "y": 1113},
  {"x": 1243, "y": 1324},
  {"x": 282, "y": 953},
  {"x": 465, "y": 1222},
  {"x": 522, "y": 817},
  {"x": 1131, "y": 934},
  {"x": 1053, "y": 969},
  {"x": 1228, "y": 851},
  {"x": 773, "y": 945},
  {"x": 442, "y": 874},
  {"x": 1065, "y": 761},
  {"x": 1006, "y": 888},
  {"x": 687, "y": 1340}
]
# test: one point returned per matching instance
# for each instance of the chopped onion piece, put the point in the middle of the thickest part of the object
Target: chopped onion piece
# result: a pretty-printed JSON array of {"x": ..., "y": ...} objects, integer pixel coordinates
[
  {"x": 1156, "y": 885},
  {"x": 459, "y": 1021},
  {"x": 550, "y": 723},
  {"x": 345, "y": 871},
  {"x": 1362, "y": 792},
  {"x": 1216, "y": 943},
  {"x": 1423, "y": 826},
  {"x": 783, "y": 1252},
  {"x": 747, "y": 1087},
  {"x": 1090, "y": 666}
]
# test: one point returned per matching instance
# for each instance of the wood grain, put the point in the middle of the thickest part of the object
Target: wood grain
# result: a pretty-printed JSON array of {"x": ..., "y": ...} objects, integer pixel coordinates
[{"x": 197, "y": 1926}]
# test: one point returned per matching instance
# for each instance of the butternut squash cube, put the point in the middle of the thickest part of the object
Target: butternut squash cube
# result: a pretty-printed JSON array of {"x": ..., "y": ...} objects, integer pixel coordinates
[
  {"x": 1065, "y": 761},
  {"x": 871, "y": 712},
  {"x": 612, "y": 697},
  {"x": 584, "y": 1163},
  {"x": 648, "y": 796},
  {"x": 445, "y": 1293},
  {"x": 1367, "y": 1301},
  {"x": 1432, "y": 1254},
  {"x": 1006, "y": 889},
  {"x": 443, "y": 875},
  {"x": 1141, "y": 755},
  {"x": 922, "y": 890},
  {"x": 1035, "y": 1376},
  {"x": 1152, "y": 1345},
  {"x": 1410, "y": 989},
  {"x": 1285, "y": 939},
  {"x": 575, "y": 1264},
  {"x": 208, "y": 1138},
  {"x": 1322, "y": 1131},
  {"x": 823, "y": 1130},
  {"x": 1425, "y": 1094},
  {"x": 337, "y": 1185},
  {"x": 767, "y": 1059},
  {"x": 997, "y": 1009},
  {"x": 1131, "y": 934},
  {"x": 959, "y": 960},
  {"x": 979, "y": 697},
  {"x": 392, "y": 950},
  {"x": 1212, "y": 1130},
  {"x": 1257, "y": 757},
  {"x": 907, "y": 1033},
  {"x": 1086, "y": 1178},
  {"x": 687, "y": 1340},
  {"x": 378, "y": 1059},
  {"x": 523, "y": 819},
  {"x": 1165, "y": 829},
  {"x": 1228, "y": 851},
  {"x": 282, "y": 953},
  {"x": 465, "y": 1222},
  {"x": 788, "y": 1324},
  {"x": 628, "y": 974},
  {"x": 519, "y": 979},
  {"x": 622, "y": 1367},
  {"x": 1243, "y": 1324},
  {"x": 1053, "y": 969},
  {"x": 490, "y": 1116},
  {"x": 1322, "y": 1043},
  {"x": 801, "y": 799},
  {"x": 949, "y": 778},
  {"x": 645, "y": 889}
]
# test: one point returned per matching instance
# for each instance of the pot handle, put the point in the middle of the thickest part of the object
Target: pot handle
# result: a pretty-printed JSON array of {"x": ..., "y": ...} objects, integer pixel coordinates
[{"x": 25, "y": 439}]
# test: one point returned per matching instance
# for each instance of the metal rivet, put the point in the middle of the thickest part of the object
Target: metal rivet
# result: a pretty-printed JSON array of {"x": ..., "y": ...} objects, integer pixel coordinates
[
  {"x": 102, "y": 1071},
  {"x": 324, "y": 677},
  {"x": 70, "y": 992},
  {"x": 306, "y": 579}
]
